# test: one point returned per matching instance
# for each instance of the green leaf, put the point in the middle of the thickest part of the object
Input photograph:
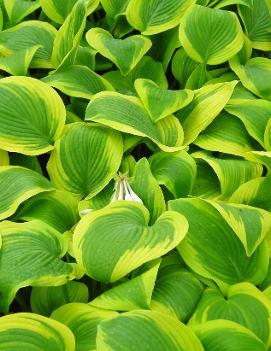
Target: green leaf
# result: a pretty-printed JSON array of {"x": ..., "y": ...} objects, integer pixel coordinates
[
  {"x": 31, "y": 255},
  {"x": 176, "y": 171},
  {"x": 177, "y": 292},
  {"x": 244, "y": 304},
  {"x": 30, "y": 162},
  {"x": 132, "y": 294},
  {"x": 30, "y": 331},
  {"x": 111, "y": 242},
  {"x": 17, "y": 184},
  {"x": 212, "y": 249},
  {"x": 124, "y": 53},
  {"x": 205, "y": 35},
  {"x": 224, "y": 3},
  {"x": 127, "y": 114},
  {"x": 153, "y": 17},
  {"x": 4, "y": 158},
  {"x": 161, "y": 103},
  {"x": 142, "y": 330},
  {"x": 77, "y": 81},
  {"x": 86, "y": 169},
  {"x": 35, "y": 118},
  {"x": 44, "y": 300},
  {"x": 208, "y": 102},
  {"x": 182, "y": 66},
  {"x": 83, "y": 321},
  {"x": 17, "y": 9},
  {"x": 114, "y": 8}
]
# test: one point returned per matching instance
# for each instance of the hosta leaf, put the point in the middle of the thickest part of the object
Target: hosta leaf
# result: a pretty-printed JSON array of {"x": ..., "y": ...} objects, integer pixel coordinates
[
  {"x": 224, "y": 3},
  {"x": 30, "y": 331},
  {"x": 182, "y": 66},
  {"x": 57, "y": 208},
  {"x": 230, "y": 172},
  {"x": 58, "y": 10},
  {"x": 226, "y": 335},
  {"x": 18, "y": 184},
  {"x": 206, "y": 184},
  {"x": 210, "y": 36},
  {"x": 161, "y": 103},
  {"x": 212, "y": 249},
  {"x": 244, "y": 304},
  {"x": 4, "y": 158},
  {"x": 177, "y": 292},
  {"x": 44, "y": 300},
  {"x": 30, "y": 162},
  {"x": 154, "y": 16},
  {"x": 256, "y": 19},
  {"x": 111, "y": 242},
  {"x": 226, "y": 134},
  {"x": 176, "y": 171},
  {"x": 87, "y": 169},
  {"x": 83, "y": 321},
  {"x": 146, "y": 187},
  {"x": 28, "y": 34},
  {"x": 132, "y": 294},
  {"x": 142, "y": 330},
  {"x": 114, "y": 8},
  {"x": 17, "y": 9},
  {"x": 262, "y": 157},
  {"x": 30, "y": 255},
  {"x": 208, "y": 102},
  {"x": 69, "y": 35},
  {"x": 78, "y": 81},
  {"x": 124, "y": 53},
  {"x": 127, "y": 114},
  {"x": 35, "y": 117}
]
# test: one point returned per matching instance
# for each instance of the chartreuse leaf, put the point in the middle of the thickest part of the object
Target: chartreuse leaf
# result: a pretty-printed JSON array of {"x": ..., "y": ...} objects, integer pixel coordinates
[
  {"x": 229, "y": 336},
  {"x": 262, "y": 157},
  {"x": 57, "y": 208},
  {"x": 208, "y": 102},
  {"x": 154, "y": 16},
  {"x": 83, "y": 321},
  {"x": 111, "y": 242},
  {"x": 182, "y": 66},
  {"x": 29, "y": 34},
  {"x": 127, "y": 114},
  {"x": 77, "y": 81},
  {"x": 255, "y": 115},
  {"x": 142, "y": 330},
  {"x": 4, "y": 158},
  {"x": 44, "y": 300},
  {"x": 69, "y": 35},
  {"x": 205, "y": 35},
  {"x": 58, "y": 10},
  {"x": 222, "y": 257},
  {"x": 226, "y": 134},
  {"x": 159, "y": 102},
  {"x": 30, "y": 331},
  {"x": 146, "y": 187},
  {"x": 230, "y": 172},
  {"x": 124, "y": 53},
  {"x": 132, "y": 294},
  {"x": 176, "y": 171},
  {"x": 224, "y": 3},
  {"x": 86, "y": 169},
  {"x": 35, "y": 116},
  {"x": 18, "y": 184},
  {"x": 255, "y": 75},
  {"x": 256, "y": 19},
  {"x": 17, "y": 9},
  {"x": 1, "y": 19},
  {"x": 31, "y": 255},
  {"x": 177, "y": 292},
  {"x": 244, "y": 304},
  {"x": 114, "y": 8}
]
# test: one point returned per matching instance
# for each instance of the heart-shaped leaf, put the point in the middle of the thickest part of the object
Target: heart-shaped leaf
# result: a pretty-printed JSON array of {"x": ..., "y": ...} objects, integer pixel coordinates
[
  {"x": 159, "y": 102},
  {"x": 124, "y": 53},
  {"x": 111, "y": 242},
  {"x": 17, "y": 9}
]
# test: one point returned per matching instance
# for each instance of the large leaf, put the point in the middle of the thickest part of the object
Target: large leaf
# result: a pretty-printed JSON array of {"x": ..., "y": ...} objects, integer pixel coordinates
[
  {"x": 35, "y": 116},
  {"x": 142, "y": 330},
  {"x": 151, "y": 17},
  {"x": 18, "y": 184},
  {"x": 124, "y": 53},
  {"x": 114, "y": 8},
  {"x": 86, "y": 169},
  {"x": 17, "y": 9},
  {"x": 210, "y": 36},
  {"x": 111, "y": 242},
  {"x": 31, "y": 255},
  {"x": 29, "y": 331},
  {"x": 127, "y": 114}
]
